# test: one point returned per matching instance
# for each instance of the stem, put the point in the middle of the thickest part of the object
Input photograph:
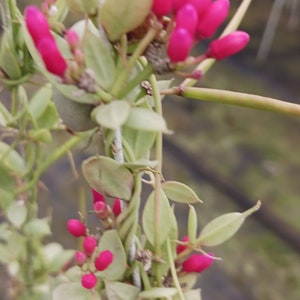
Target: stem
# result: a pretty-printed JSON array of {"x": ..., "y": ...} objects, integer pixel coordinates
[{"x": 242, "y": 99}]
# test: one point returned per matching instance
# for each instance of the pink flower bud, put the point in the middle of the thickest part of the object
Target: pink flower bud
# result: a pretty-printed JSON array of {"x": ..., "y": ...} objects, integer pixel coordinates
[
  {"x": 37, "y": 24},
  {"x": 117, "y": 207},
  {"x": 76, "y": 227},
  {"x": 177, "y": 4},
  {"x": 212, "y": 18},
  {"x": 80, "y": 258},
  {"x": 180, "y": 248},
  {"x": 97, "y": 196},
  {"x": 53, "y": 60},
  {"x": 197, "y": 263},
  {"x": 200, "y": 5},
  {"x": 89, "y": 245},
  {"x": 102, "y": 209},
  {"x": 187, "y": 18},
  {"x": 228, "y": 45},
  {"x": 104, "y": 259},
  {"x": 180, "y": 44},
  {"x": 89, "y": 281},
  {"x": 161, "y": 7},
  {"x": 72, "y": 39}
]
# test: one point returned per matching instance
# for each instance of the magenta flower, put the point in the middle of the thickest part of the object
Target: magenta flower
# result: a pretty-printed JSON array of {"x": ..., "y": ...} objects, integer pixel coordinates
[
  {"x": 228, "y": 45},
  {"x": 197, "y": 263},
  {"x": 76, "y": 227},
  {"x": 104, "y": 259},
  {"x": 97, "y": 196},
  {"x": 187, "y": 18},
  {"x": 89, "y": 281},
  {"x": 89, "y": 245},
  {"x": 161, "y": 7}
]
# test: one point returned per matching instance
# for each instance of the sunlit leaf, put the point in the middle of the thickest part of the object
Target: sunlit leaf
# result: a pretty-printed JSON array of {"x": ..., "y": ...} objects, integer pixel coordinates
[
  {"x": 179, "y": 192},
  {"x": 17, "y": 214},
  {"x": 121, "y": 291}
]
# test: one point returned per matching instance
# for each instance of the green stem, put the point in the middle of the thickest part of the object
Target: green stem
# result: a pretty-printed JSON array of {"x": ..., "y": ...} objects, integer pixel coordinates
[
  {"x": 242, "y": 99},
  {"x": 124, "y": 75}
]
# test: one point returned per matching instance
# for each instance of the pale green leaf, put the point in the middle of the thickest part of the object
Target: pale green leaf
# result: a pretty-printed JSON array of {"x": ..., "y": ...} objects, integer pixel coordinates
[
  {"x": 165, "y": 217},
  {"x": 49, "y": 118},
  {"x": 11, "y": 159},
  {"x": 110, "y": 241},
  {"x": 224, "y": 227},
  {"x": 119, "y": 17},
  {"x": 74, "y": 291},
  {"x": 121, "y": 291},
  {"x": 108, "y": 177},
  {"x": 192, "y": 224},
  {"x": 37, "y": 228},
  {"x": 188, "y": 280},
  {"x": 146, "y": 120},
  {"x": 99, "y": 58},
  {"x": 17, "y": 214},
  {"x": 111, "y": 115},
  {"x": 159, "y": 292},
  {"x": 180, "y": 192}
]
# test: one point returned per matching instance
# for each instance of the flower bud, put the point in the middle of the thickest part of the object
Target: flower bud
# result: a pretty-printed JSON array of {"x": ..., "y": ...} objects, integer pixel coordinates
[
  {"x": 228, "y": 45},
  {"x": 102, "y": 209},
  {"x": 187, "y": 18},
  {"x": 80, "y": 258},
  {"x": 180, "y": 248},
  {"x": 117, "y": 209},
  {"x": 180, "y": 44},
  {"x": 161, "y": 7},
  {"x": 200, "y": 5},
  {"x": 212, "y": 18},
  {"x": 97, "y": 196},
  {"x": 197, "y": 263},
  {"x": 104, "y": 259},
  {"x": 177, "y": 4},
  {"x": 89, "y": 245},
  {"x": 76, "y": 227},
  {"x": 72, "y": 39},
  {"x": 37, "y": 24},
  {"x": 89, "y": 281},
  {"x": 53, "y": 60}
]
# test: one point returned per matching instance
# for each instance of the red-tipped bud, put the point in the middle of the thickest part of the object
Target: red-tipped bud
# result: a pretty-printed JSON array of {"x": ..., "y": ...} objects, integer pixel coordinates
[
  {"x": 89, "y": 245},
  {"x": 117, "y": 209},
  {"x": 180, "y": 44},
  {"x": 80, "y": 258},
  {"x": 213, "y": 17},
  {"x": 104, "y": 259},
  {"x": 72, "y": 39},
  {"x": 89, "y": 281},
  {"x": 161, "y": 7},
  {"x": 187, "y": 18},
  {"x": 76, "y": 227},
  {"x": 102, "y": 209},
  {"x": 228, "y": 45},
  {"x": 97, "y": 196},
  {"x": 200, "y": 5},
  {"x": 37, "y": 24},
  {"x": 180, "y": 248},
  {"x": 197, "y": 263},
  {"x": 53, "y": 60}
]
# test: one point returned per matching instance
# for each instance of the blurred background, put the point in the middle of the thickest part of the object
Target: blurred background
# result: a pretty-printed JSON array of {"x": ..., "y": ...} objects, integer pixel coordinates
[{"x": 232, "y": 157}]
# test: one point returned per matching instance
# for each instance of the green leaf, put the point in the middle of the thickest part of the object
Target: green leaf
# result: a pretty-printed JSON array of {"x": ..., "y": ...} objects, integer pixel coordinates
[
  {"x": 158, "y": 292},
  {"x": 224, "y": 227},
  {"x": 140, "y": 165},
  {"x": 5, "y": 115},
  {"x": 74, "y": 291},
  {"x": 75, "y": 115},
  {"x": 37, "y": 228},
  {"x": 121, "y": 291},
  {"x": 16, "y": 245},
  {"x": 140, "y": 141},
  {"x": 49, "y": 118},
  {"x": 8, "y": 60},
  {"x": 17, "y": 214},
  {"x": 165, "y": 218},
  {"x": 108, "y": 177},
  {"x": 7, "y": 197},
  {"x": 191, "y": 295},
  {"x": 119, "y": 17},
  {"x": 188, "y": 280},
  {"x": 99, "y": 57},
  {"x": 40, "y": 101},
  {"x": 146, "y": 120},
  {"x": 179, "y": 192},
  {"x": 11, "y": 159},
  {"x": 110, "y": 241},
  {"x": 192, "y": 224},
  {"x": 111, "y": 115}
]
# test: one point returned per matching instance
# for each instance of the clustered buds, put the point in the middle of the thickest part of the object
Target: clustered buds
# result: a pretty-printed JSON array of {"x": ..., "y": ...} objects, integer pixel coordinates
[
  {"x": 196, "y": 20},
  {"x": 39, "y": 30},
  {"x": 197, "y": 263}
]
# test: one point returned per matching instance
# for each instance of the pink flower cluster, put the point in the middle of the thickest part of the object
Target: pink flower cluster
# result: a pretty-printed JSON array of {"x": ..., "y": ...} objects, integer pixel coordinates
[
  {"x": 89, "y": 260},
  {"x": 196, "y": 20},
  {"x": 196, "y": 263},
  {"x": 38, "y": 28}
]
